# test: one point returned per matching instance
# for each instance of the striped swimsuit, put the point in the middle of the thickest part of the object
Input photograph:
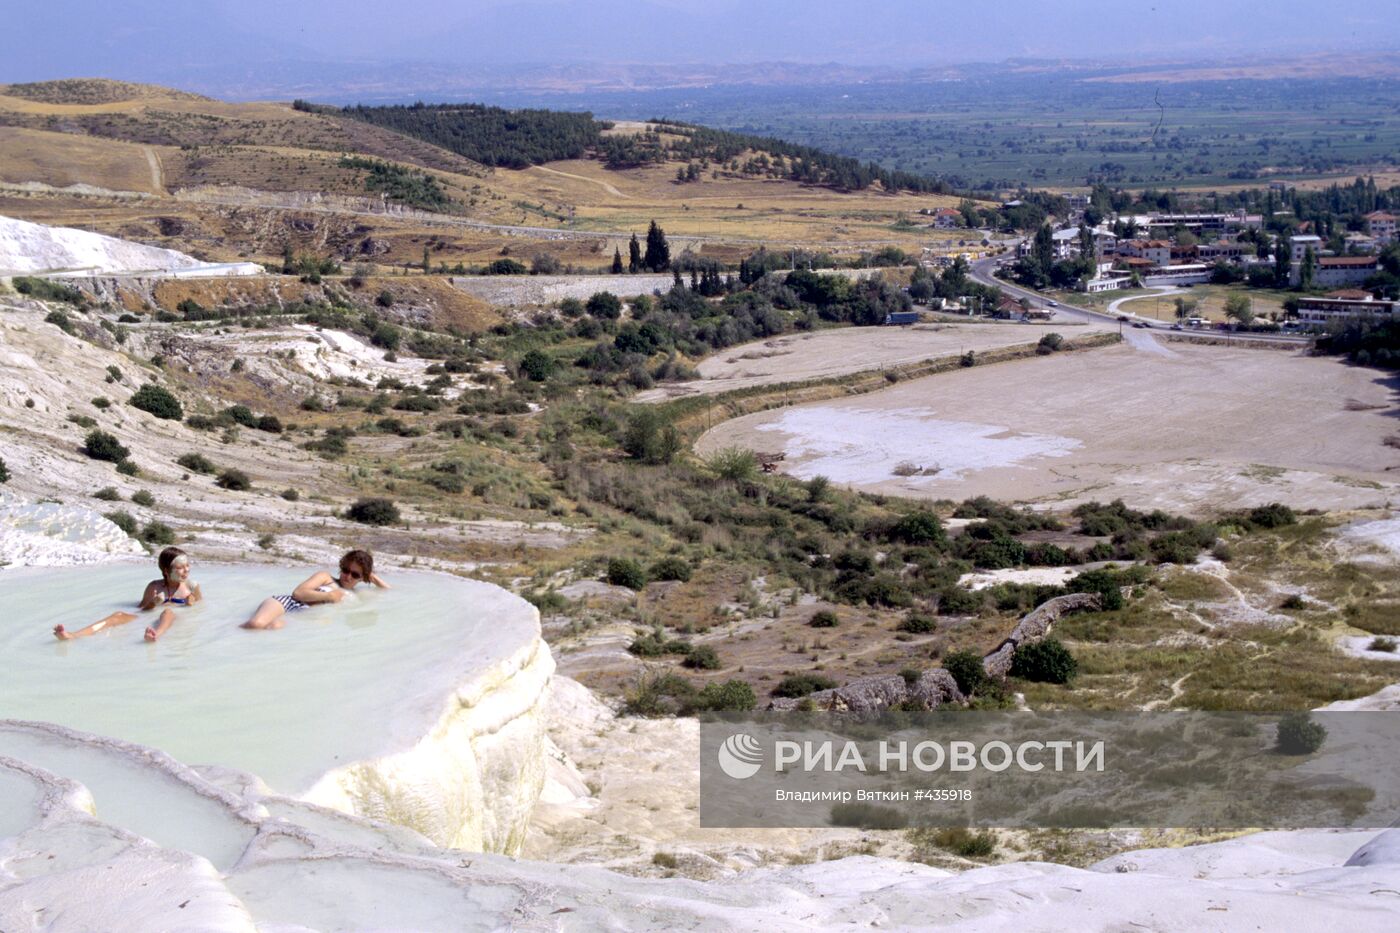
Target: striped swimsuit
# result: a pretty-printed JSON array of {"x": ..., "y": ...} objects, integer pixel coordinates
[{"x": 292, "y": 604}]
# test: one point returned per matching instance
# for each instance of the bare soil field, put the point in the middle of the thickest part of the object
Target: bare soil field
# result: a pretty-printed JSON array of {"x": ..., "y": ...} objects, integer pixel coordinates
[
  {"x": 823, "y": 354},
  {"x": 1199, "y": 430}
]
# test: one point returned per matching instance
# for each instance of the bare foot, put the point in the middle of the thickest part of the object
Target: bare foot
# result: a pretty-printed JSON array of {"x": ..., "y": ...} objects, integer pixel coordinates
[
  {"x": 151, "y": 634},
  {"x": 61, "y": 633}
]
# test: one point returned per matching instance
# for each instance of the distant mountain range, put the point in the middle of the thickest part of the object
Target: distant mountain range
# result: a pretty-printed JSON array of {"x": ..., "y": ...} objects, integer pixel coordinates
[{"x": 352, "y": 82}]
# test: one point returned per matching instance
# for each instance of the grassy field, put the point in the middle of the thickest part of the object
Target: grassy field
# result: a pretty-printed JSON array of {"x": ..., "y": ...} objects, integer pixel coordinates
[{"x": 274, "y": 160}]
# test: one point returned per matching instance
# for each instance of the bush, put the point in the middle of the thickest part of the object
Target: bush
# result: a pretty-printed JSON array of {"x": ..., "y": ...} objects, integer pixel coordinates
[
  {"x": 158, "y": 401},
  {"x": 958, "y": 840},
  {"x": 604, "y": 305},
  {"x": 385, "y": 299},
  {"x": 867, "y": 816},
  {"x": 158, "y": 534},
  {"x": 1293, "y": 601},
  {"x": 235, "y": 480},
  {"x": 101, "y": 404},
  {"x": 1049, "y": 344},
  {"x": 959, "y": 601},
  {"x": 918, "y": 624},
  {"x": 60, "y": 320},
  {"x": 122, "y": 520},
  {"x": 801, "y": 685},
  {"x": 655, "y": 643},
  {"x": 1299, "y": 735},
  {"x": 1273, "y": 515},
  {"x": 730, "y": 696},
  {"x": 197, "y": 463},
  {"x": 108, "y": 494},
  {"x": 240, "y": 414},
  {"x": 1382, "y": 643},
  {"x": 99, "y": 445},
  {"x": 650, "y": 438},
  {"x": 142, "y": 497},
  {"x": 966, "y": 668},
  {"x": 128, "y": 468},
  {"x": 824, "y": 618},
  {"x": 623, "y": 571},
  {"x": 1047, "y": 661},
  {"x": 374, "y": 511},
  {"x": 658, "y": 695},
  {"x": 670, "y": 568},
  {"x": 291, "y": 495},
  {"x": 331, "y": 445},
  {"x": 4, "y": 472},
  {"x": 734, "y": 463},
  {"x": 921, "y": 529},
  {"x": 537, "y": 366},
  {"x": 702, "y": 657}
]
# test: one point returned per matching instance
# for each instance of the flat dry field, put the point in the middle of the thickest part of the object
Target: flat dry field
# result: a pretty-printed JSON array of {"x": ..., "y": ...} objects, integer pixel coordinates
[
  {"x": 828, "y": 353},
  {"x": 1196, "y": 429}
]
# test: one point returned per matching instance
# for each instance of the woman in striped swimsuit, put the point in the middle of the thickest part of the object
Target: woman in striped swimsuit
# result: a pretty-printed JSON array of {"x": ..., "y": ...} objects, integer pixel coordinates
[{"x": 356, "y": 567}]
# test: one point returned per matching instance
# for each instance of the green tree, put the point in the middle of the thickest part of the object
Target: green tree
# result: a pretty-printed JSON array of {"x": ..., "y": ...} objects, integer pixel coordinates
[
  {"x": 1282, "y": 266},
  {"x": 634, "y": 256},
  {"x": 658, "y": 254},
  {"x": 1237, "y": 308},
  {"x": 427, "y": 261},
  {"x": 1306, "y": 270},
  {"x": 650, "y": 438},
  {"x": 1185, "y": 307},
  {"x": 617, "y": 262},
  {"x": 1043, "y": 249}
]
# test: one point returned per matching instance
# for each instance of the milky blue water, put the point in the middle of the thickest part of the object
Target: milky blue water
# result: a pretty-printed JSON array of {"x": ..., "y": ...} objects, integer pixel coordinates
[{"x": 338, "y": 684}]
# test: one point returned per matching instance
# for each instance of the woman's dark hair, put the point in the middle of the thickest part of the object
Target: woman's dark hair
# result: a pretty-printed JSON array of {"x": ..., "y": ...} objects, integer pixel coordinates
[
  {"x": 166, "y": 560},
  {"x": 362, "y": 559}
]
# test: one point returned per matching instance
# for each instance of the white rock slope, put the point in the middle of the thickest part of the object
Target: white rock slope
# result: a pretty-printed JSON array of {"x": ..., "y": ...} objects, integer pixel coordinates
[{"x": 29, "y": 248}]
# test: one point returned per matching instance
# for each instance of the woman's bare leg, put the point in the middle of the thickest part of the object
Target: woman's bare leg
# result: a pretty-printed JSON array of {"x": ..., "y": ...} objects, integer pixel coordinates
[
  {"x": 116, "y": 618},
  {"x": 167, "y": 618},
  {"x": 268, "y": 615}
]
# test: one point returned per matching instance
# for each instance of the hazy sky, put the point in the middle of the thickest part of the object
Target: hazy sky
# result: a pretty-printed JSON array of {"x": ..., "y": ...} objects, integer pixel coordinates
[{"x": 157, "y": 39}]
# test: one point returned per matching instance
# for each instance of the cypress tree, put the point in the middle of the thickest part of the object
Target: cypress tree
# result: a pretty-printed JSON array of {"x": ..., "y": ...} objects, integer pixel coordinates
[
  {"x": 658, "y": 255},
  {"x": 634, "y": 254},
  {"x": 617, "y": 262}
]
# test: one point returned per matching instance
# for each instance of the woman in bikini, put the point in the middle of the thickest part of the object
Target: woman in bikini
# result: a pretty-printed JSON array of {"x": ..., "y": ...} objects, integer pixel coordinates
[
  {"x": 356, "y": 567},
  {"x": 174, "y": 588}
]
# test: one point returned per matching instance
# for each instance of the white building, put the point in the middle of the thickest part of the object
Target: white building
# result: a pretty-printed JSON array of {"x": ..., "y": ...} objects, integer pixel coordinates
[
  {"x": 1301, "y": 243},
  {"x": 1316, "y": 311},
  {"x": 1381, "y": 225}
]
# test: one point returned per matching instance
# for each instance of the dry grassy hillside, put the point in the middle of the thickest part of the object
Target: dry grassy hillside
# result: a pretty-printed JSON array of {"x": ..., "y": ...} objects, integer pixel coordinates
[{"x": 226, "y": 181}]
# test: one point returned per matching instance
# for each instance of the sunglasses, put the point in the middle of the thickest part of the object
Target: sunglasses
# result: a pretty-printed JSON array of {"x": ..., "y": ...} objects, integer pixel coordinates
[{"x": 353, "y": 574}]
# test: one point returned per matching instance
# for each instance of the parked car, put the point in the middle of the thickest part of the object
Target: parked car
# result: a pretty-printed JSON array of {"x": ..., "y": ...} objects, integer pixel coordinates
[
  {"x": 1124, "y": 318},
  {"x": 1177, "y": 327},
  {"x": 1053, "y": 304},
  {"x": 1139, "y": 324}
]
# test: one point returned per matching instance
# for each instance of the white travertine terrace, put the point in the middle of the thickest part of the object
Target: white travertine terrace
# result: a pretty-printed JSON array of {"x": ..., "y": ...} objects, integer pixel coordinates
[
  {"x": 75, "y": 857},
  {"x": 419, "y": 705}
]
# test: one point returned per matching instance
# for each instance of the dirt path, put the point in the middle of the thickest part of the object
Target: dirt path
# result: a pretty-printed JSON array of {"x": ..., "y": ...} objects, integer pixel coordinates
[
  {"x": 607, "y": 186},
  {"x": 157, "y": 175}
]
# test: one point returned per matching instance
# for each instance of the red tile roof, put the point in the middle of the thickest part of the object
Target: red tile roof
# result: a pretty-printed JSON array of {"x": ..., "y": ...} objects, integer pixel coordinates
[
  {"x": 1350, "y": 294},
  {"x": 1347, "y": 261}
]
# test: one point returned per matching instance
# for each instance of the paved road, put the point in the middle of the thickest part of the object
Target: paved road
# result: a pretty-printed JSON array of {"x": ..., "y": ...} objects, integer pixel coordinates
[{"x": 981, "y": 271}]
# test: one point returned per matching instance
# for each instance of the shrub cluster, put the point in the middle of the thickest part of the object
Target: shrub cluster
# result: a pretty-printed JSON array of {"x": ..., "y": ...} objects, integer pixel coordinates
[
  {"x": 158, "y": 401},
  {"x": 99, "y": 445},
  {"x": 374, "y": 511}
]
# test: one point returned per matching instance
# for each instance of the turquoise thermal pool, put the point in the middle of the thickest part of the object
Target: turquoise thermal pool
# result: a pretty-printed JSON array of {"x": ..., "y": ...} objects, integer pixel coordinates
[{"x": 338, "y": 684}]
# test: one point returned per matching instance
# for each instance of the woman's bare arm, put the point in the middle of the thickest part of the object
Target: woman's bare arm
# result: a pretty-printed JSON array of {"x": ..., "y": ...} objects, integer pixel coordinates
[
  {"x": 195, "y": 595},
  {"x": 307, "y": 591},
  {"x": 378, "y": 581}
]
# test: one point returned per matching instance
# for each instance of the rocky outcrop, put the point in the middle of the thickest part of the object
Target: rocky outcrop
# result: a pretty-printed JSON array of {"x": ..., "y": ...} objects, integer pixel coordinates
[
  {"x": 1035, "y": 626},
  {"x": 936, "y": 687}
]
